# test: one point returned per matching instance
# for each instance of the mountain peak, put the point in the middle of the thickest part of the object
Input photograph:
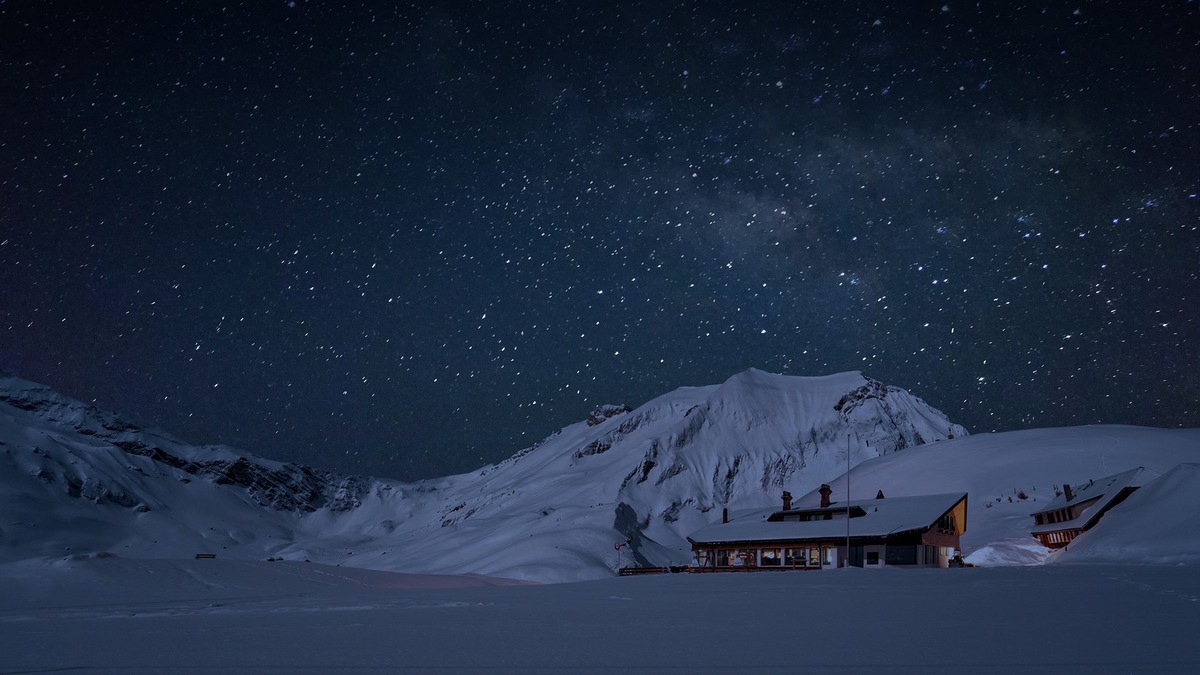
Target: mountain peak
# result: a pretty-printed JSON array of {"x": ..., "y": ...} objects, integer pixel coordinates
[{"x": 755, "y": 379}]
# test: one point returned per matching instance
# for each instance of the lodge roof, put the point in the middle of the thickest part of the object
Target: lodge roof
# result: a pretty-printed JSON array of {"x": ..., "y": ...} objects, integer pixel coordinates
[
  {"x": 875, "y": 518},
  {"x": 1100, "y": 492}
]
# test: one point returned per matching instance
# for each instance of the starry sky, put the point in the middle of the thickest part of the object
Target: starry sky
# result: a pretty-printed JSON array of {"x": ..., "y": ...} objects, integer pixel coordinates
[{"x": 409, "y": 239}]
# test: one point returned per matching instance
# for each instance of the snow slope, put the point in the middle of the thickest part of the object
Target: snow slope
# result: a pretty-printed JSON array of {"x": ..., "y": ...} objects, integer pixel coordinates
[
  {"x": 74, "y": 478},
  {"x": 1160, "y": 522},
  {"x": 1010, "y": 475}
]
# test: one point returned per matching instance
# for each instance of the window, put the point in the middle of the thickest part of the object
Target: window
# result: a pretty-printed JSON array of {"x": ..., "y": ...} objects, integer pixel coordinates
[
  {"x": 746, "y": 557},
  {"x": 872, "y": 557},
  {"x": 794, "y": 557},
  {"x": 771, "y": 557},
  {"x": 946, "y": 522},
  {"x": 901, "y": 555}
]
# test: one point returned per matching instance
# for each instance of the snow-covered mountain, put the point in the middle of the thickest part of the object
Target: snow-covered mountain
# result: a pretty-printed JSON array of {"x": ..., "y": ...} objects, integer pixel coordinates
[
  {"x": 74, "y": 479},
  {"x": 648, "y": 476}
]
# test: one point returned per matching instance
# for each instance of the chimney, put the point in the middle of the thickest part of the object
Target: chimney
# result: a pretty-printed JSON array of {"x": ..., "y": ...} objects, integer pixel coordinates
[
  {"x": 1068, "y": 492},
  {"x": 725, "y": 515},
  {"x": 787, "y": 501},
  {"x": 825, "y": 492}
]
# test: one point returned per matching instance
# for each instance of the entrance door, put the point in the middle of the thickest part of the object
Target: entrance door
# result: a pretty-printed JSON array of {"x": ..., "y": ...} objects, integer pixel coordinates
[{"x": 856, "y": 556}]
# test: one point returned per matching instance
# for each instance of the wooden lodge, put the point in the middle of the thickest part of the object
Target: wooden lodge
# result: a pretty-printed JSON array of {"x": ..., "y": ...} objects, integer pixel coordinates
[
  {"x": 919, "y": 531},
  {"x": 1077, "y": 509}
]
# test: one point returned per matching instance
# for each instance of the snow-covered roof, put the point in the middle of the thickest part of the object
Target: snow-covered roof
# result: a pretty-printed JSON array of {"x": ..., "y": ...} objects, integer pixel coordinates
[
  {"x": 1101, "y": 492},
  {"x": 880, "y": 517}
]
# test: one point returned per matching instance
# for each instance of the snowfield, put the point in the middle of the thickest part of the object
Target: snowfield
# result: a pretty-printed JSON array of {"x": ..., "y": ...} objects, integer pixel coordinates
[{"x": 101, "y": 615}]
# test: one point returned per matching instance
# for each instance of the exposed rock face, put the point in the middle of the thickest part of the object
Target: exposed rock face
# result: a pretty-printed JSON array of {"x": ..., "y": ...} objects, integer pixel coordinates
[{"x": 604, "y": 412}]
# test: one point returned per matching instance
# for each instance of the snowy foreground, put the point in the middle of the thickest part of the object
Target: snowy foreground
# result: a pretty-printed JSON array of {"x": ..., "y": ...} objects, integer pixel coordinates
[{"x": 114, "y": 615}]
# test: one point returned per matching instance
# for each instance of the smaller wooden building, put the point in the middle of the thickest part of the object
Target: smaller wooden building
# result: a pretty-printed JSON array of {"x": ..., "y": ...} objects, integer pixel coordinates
[
  {"x": 919, "y": 531},
  {"x": 1078, "y": 508}
]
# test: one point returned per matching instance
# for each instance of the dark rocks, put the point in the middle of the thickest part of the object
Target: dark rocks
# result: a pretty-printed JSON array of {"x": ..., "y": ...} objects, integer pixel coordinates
[{"x": 604, "y": 412}]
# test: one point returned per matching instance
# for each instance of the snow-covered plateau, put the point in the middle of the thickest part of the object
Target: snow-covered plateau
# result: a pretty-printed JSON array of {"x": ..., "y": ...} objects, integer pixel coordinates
[
  {"x": 104, "y": 615},
  {"x": 100, "y": 521}
]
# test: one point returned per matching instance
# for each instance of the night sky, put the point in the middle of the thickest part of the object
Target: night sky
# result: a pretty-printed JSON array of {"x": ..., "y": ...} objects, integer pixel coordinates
[{"x": 410, "y": 239}]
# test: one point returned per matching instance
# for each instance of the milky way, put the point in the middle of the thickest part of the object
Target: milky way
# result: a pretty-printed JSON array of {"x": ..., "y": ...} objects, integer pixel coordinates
[{"x": 412, "y": 240}]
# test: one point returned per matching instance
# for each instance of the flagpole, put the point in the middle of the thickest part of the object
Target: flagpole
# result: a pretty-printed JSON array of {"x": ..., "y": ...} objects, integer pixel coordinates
[{"x": 847, "y": 500}]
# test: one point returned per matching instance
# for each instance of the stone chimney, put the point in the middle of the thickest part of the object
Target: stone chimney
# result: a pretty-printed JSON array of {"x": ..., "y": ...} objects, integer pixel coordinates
[
  {"x": 1070, "y": 494},
  {"x": 787, "y": 501},
  {"x": 825, "y": 492},
  {"x": 725, "y": 515}
]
